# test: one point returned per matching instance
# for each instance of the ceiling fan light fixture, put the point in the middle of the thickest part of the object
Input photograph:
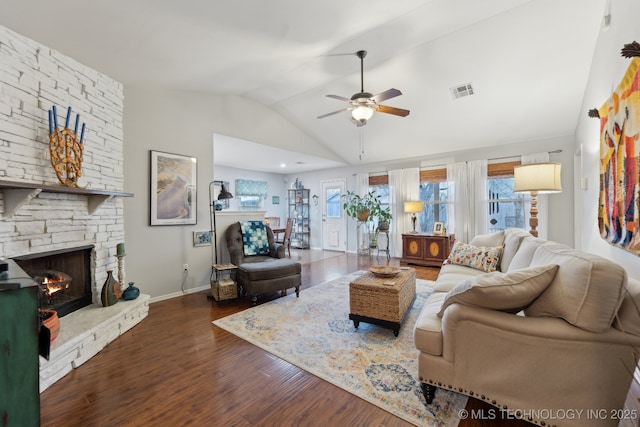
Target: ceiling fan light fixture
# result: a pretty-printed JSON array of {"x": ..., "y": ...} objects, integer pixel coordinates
[
  {"x": 362, "y": 112},
  {"x": 363, "y": 104}
]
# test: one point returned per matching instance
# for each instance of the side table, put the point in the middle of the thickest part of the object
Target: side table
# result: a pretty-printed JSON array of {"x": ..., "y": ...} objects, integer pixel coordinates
[
  {"x": 386, "y": 233},
  {"x": 223, "y": 287},
  {"x": 382, "y": 301}
]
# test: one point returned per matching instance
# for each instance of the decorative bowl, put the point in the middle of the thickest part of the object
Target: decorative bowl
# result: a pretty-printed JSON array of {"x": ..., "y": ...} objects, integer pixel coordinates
[{"x": 385, "y": 271}]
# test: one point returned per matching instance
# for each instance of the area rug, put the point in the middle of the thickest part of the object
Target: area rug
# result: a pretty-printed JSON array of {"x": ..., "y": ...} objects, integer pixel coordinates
[{"x": 314, "y": 333}]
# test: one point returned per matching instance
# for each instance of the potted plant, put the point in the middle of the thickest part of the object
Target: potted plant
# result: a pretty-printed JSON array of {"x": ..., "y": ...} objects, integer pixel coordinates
[
  {"x": 359, "y": 207},
  {"x": 384, "y": 217}
]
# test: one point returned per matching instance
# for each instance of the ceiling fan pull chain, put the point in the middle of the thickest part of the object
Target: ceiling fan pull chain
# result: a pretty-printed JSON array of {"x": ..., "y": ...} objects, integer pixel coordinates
[{"x": 361, "y": 137}]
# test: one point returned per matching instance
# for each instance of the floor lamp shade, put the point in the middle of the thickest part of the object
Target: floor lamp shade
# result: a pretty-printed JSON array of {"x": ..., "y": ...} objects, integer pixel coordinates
[
  {"x": 540, "y": 177},
  {"x": 413, "y": 208},
  {"x": 536, "y": 178}
]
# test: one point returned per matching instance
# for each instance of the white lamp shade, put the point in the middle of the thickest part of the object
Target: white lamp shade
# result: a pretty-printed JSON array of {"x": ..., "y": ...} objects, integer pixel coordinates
[
  {"x": 362, "y": 113},
  {"x": 540, "y": 177},
  {"x": 413, "y": 207}
]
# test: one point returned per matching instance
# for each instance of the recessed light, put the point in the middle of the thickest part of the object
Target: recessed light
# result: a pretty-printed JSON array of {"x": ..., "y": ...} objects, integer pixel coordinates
[{"x": 282, "y": 165}]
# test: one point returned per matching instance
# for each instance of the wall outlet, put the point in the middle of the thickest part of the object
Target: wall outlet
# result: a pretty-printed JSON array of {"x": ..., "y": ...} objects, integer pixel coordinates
[{"x": 185, "y": 267}]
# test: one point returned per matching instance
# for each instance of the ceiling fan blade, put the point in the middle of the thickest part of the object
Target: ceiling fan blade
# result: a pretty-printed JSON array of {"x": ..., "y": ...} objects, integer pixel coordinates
[
  {"x": 333, "y": 112},
  {"x": 387, "y": 94},
  {"x": 393, "y": 110},
  {"x": 339, "y": 98}
]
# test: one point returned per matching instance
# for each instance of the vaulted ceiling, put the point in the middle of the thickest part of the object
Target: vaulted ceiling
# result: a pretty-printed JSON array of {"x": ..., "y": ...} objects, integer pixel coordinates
[{"x": 528, "y": 61}]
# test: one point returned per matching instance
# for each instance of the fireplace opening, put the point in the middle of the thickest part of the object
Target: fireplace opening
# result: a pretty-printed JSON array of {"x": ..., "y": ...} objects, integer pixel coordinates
[{"x": 64, "y": 277}]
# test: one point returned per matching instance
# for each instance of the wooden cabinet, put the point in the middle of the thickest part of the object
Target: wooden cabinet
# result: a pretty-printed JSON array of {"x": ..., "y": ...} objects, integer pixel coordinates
[
  {"x": 426, "y": 249},
  {"x": 19, "y": 373}
]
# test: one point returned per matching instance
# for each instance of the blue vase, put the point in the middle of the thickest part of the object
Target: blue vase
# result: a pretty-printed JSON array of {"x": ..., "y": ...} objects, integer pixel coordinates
[{"x": 131, "y": 292}]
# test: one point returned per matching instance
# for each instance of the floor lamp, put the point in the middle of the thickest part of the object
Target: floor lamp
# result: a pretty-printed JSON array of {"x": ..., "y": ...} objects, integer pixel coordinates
[
  {"x": 224, "y": 194},
  {"x": 413, "y": 208},
  {"x": 536, "y": 178}
]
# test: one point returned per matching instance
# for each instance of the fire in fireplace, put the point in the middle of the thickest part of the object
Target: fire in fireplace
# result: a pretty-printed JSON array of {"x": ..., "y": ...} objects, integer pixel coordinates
[
  {"x": 54, "y": 287},
  {"x": 64, "y": 277}
]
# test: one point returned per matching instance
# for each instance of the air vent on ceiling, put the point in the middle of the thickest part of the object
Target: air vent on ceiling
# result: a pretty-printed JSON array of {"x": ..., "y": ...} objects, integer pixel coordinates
[{"x": 461, "y": 90}]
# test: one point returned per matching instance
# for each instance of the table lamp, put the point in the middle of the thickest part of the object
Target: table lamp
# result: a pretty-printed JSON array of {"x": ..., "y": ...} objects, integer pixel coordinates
[
  {"x": 413, "y": 208},
  {"x": 536, "y": 178}
]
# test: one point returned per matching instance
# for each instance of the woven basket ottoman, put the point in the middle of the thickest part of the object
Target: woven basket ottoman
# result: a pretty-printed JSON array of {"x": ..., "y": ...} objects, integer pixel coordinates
[{"x": 382, "y": 301}]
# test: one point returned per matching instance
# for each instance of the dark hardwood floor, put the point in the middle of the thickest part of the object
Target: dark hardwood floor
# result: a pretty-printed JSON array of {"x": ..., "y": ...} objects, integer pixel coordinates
[{"x": 177, "y": 369}]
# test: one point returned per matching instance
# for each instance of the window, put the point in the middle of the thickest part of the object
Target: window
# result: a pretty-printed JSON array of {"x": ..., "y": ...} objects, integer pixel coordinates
[
  {"x": 250, "y": 203},
  {"x": 435, "y": 196},
  {"x": 334, "y": 207},
  {"x": 382, "y": 191},
  {"x": 506, "y": 209}
]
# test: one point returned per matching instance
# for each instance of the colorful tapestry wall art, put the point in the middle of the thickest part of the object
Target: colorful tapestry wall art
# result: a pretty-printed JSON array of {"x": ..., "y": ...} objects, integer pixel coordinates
[{"x": 618, "y": 213}]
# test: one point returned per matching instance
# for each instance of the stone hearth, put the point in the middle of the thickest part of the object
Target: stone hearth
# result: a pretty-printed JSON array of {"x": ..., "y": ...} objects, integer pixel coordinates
[{"x": 85, "y": 332}]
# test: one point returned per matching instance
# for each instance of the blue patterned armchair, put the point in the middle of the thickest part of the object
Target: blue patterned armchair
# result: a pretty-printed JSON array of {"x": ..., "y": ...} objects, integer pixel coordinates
[{"x": 262, "y": 264}]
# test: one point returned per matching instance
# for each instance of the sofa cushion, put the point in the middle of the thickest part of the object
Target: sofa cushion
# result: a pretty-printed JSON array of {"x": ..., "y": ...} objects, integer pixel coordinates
[
  {"x": 485, "y": 258},
  {"x": 452, "y": 275},
  {"x": 513, "y": 237},
  {"x": 495, "y": 239},
  {"x": 254, "y": 238},
  {"x": 270, "y": 268},
  {"x": 524, "y": 254},
  {"x": 499, "y": 291},
  {"x": 628, "y": 317},
  {"x": 427, "y": 331},
  {"x": 586, "y": 292}
]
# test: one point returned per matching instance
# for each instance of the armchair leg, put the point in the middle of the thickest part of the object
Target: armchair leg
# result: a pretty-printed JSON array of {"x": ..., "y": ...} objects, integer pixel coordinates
[
  {"x": 429, "y": 392},
  {"x": 297, "y": 291}
]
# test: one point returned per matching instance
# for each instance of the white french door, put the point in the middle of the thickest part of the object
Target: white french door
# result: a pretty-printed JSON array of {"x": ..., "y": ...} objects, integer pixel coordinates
[{"x": 334, "y": 221}]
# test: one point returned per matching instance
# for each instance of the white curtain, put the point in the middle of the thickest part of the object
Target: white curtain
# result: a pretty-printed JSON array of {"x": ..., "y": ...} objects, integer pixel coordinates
[
  {"x": 362, "y": 184},
  {"x": 404, "y": 185},
  {"x": 479, "y": 200},
  {"x": 468, "y": 196},
  {"x": 543, "y": 199}
]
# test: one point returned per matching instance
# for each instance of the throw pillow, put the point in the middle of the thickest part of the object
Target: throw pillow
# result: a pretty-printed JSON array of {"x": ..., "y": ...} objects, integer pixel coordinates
[
  {"x": 254, "y": 238},
  {"x": 509, "y": 292},
  {"x": 495, "y": 239},
  {"x": 482, "y": 258}
]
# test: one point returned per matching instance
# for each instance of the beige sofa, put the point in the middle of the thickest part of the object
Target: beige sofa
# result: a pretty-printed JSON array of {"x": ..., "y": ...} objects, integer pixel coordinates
[{"x": 551, "y": 345}]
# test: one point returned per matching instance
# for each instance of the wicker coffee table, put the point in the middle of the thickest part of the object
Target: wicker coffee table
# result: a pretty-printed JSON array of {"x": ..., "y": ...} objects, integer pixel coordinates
[{"x": 382, "y": 301}]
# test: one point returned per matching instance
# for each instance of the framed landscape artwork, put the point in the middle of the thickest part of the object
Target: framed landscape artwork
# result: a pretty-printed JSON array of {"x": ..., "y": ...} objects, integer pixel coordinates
[
  {"x": 201, "y": 238},
  {"x": 173, "y": 189}
]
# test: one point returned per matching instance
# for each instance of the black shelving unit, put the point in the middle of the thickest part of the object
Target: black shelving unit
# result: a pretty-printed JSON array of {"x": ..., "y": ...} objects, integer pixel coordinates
[{"x": 298, "y": 200}]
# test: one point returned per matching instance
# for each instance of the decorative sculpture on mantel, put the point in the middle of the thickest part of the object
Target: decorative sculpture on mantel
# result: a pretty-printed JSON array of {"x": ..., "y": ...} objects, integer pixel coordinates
[{"x": 66, "y": 149}]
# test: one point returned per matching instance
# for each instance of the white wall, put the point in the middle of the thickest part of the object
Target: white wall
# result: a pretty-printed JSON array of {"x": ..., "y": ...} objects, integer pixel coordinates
[
  {"x": 184, "y": 123},
  {"x": 607, "y": 69},
  {"x": 560, "y": 205}
]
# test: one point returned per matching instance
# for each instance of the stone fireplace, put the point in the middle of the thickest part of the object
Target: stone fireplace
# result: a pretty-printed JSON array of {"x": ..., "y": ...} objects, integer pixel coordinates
[{"x": 39, "y": 216}]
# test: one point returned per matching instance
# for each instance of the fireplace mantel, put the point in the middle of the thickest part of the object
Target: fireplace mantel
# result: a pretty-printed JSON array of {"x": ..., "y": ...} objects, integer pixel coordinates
[{"x": 18, "y": 193}]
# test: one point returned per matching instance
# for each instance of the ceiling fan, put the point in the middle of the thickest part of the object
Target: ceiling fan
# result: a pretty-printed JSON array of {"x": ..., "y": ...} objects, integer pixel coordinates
[{"x": 364, "y": 104}]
